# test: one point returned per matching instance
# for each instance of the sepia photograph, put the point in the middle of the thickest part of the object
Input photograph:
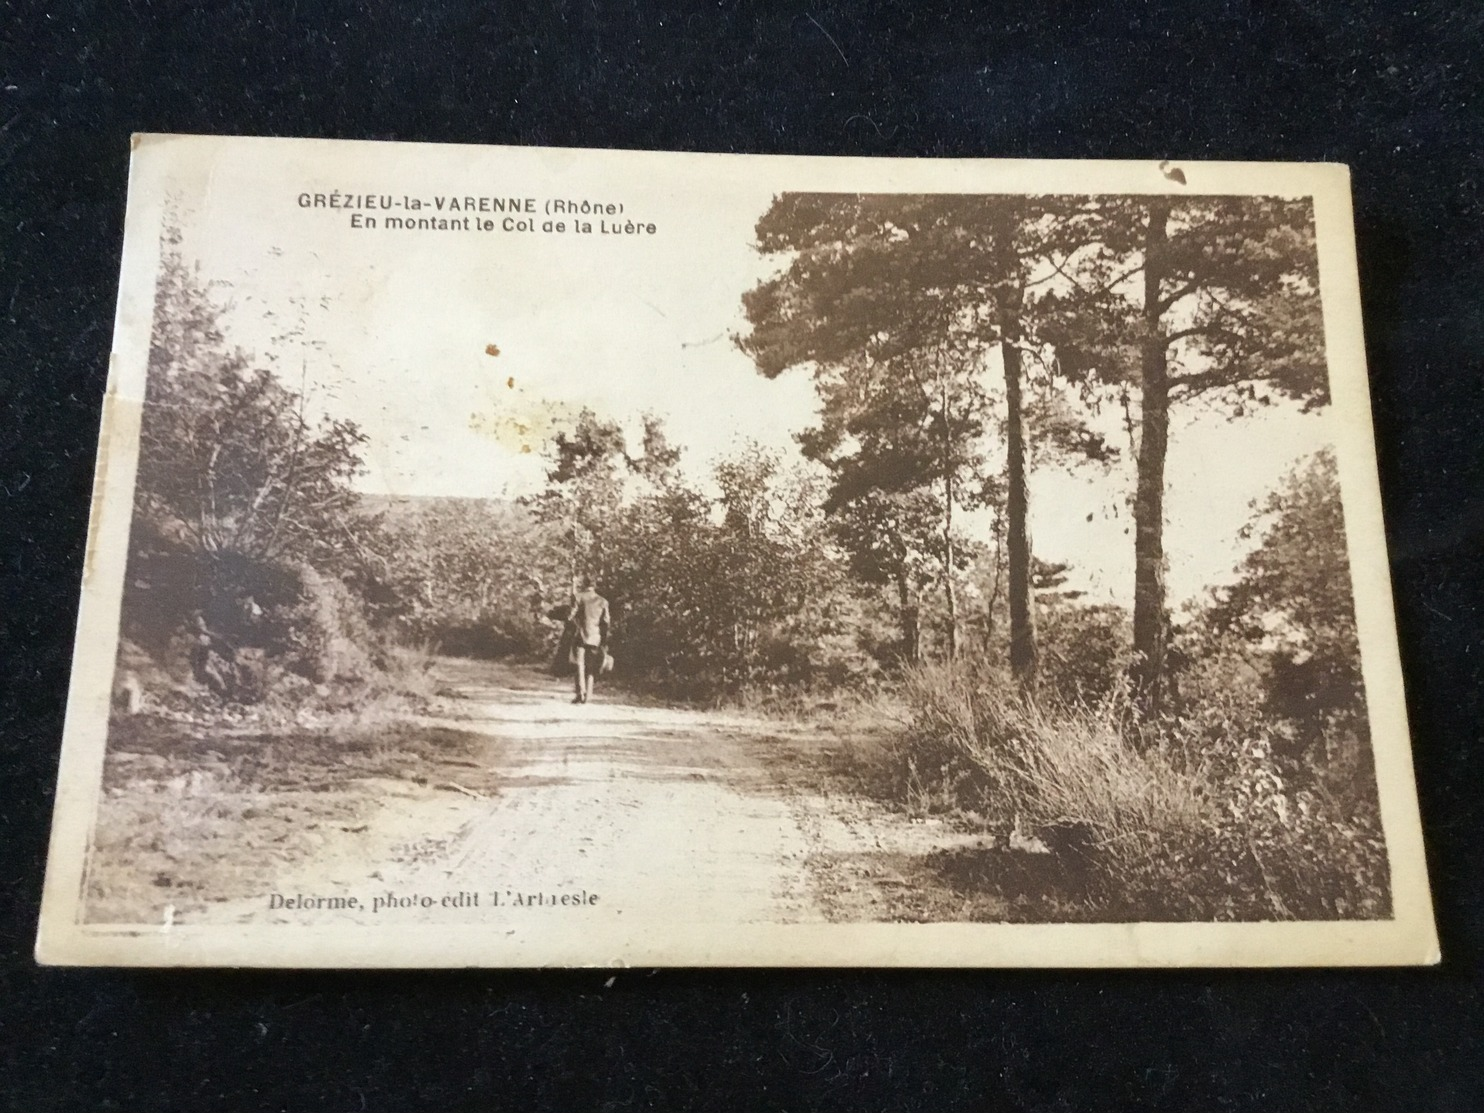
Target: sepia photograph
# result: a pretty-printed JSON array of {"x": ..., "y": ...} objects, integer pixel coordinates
[{"x": 536, "y": 557}]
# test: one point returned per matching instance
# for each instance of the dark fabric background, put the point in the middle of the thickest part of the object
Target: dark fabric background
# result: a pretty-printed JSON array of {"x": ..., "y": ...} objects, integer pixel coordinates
[{"x": 1392, "y": 89}]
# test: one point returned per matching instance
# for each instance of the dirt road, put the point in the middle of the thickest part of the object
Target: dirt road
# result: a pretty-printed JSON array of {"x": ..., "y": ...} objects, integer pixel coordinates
[{"x": 643, "y": 807}]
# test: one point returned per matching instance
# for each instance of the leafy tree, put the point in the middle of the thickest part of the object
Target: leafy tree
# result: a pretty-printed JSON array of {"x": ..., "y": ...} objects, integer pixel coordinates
[
  {"x": 659, "y": 576},
  {"x": 247, "y": 533},
  {"x": 890, "y": 300},
  {"x": 470, "y": 574},
  {"x": 1294, "y": 599},
  {"x": 228, "y": 463},
  {"x": 905, "y": 458},
  {"x": 890, "y": 539},
  {"x": 591, "y": 468},
  {"x": 585, "y": 490},
  {"x": 710, "y": 595},
  {"x": 769, "y": 550},
  {"x": 660, "y": 457}
]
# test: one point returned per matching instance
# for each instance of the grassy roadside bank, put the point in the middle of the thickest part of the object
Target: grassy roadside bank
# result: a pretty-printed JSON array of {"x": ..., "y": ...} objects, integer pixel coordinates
[
  {"x": 205, "y": 809},
  {"x": 1049, "y": 812}
]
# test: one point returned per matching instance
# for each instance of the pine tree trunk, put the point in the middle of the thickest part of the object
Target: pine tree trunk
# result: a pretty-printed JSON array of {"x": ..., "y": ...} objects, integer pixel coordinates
[
  {"x": 950, "y": 595},
  {"x": 572, "y": 554},
  {"x": 1024, "y": 657},
  {"x": 1147, "y": 671},
  {"x": 911, "y": 633},
  {"x": 997, "y": 583}
]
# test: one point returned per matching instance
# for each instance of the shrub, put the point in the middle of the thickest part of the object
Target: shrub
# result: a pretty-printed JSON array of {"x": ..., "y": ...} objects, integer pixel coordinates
[
  {"x": 323, "y": 634},
  {"x": 1084, "y": 651},
  {"x": 485, "y": 636},
  {"x": 1188, "y": 819}
]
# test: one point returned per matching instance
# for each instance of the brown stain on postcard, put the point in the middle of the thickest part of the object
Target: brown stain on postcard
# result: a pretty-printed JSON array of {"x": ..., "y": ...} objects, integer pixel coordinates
[{"x": 519, "y": 424}]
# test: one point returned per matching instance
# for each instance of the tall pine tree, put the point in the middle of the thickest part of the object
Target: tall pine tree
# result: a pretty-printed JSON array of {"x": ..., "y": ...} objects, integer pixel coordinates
[
  {"x": 895, "y": 303},
  {"x": 1213, "y": 296}
]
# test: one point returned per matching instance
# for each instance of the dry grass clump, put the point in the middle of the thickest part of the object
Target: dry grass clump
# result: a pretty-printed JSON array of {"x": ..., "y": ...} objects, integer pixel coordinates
[
  {"x": 1166, "y": 829},
  {"x": 1068, "y": 767}
]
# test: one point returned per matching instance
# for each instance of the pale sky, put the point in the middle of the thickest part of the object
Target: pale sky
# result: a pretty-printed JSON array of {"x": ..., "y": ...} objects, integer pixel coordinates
[{"x": 396, "y": 326}]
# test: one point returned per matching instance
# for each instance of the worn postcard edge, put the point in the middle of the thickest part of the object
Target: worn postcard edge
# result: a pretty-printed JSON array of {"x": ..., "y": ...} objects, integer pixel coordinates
[{"x": 1407, "y": 939}]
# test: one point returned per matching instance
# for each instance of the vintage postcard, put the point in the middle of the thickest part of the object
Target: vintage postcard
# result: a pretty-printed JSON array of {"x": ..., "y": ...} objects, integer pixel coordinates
[{"x": 531, "y": 557}]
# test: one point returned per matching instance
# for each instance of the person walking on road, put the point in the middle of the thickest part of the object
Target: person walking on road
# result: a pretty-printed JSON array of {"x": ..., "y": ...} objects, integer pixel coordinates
[{"x": 590, "y": 624}]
